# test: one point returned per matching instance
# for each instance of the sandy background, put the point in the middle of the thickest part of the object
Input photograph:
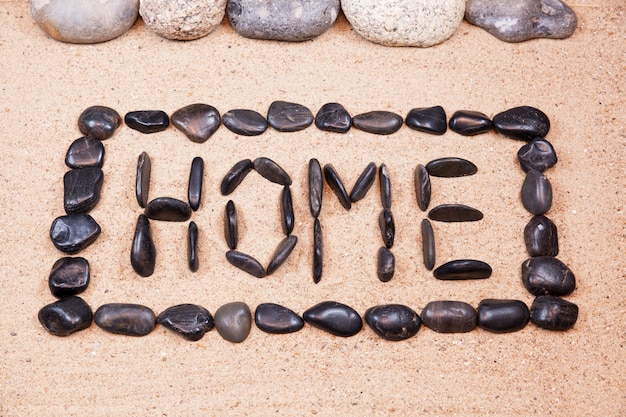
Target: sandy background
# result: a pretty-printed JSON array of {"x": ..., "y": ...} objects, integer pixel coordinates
[{"x": 579, "y": 82}]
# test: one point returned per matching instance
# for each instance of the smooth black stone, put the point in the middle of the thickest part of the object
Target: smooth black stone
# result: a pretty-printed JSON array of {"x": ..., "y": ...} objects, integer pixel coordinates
[
  {"x": 192, "y": 247},
  {"x": 460, "y": 269},
  {"x": 316, "y": 187},
  {"x": 168, "y": 209},
  {"x": 536, "y": 192},
  {"x": 69, "y": 276},
  {"x": 235, "y": 175},
  {"x": 276, "y": 319},
  {"x": 428, "y": 244},
  {"x": 318, "y": 259},
  {"x": 189, "y": 320},
  {"x": 143, "y": 251},
  {"x": 99, "y": 122},
  {"x": 379, "y": 122},
  {"x": 246, "y": 263},
  {"x": 289, "y": 117},
  {"x": 387, "y": 227},
  {"x": 522, "y": 123},
  {"x": 454, "y": 213},
  {"x": 386, "y": 264},
  {"x": 85, "y": 152},
  {"x": 245, "y": 122},
  {"x": 449, "y": 317},
  {"x": 287, "y": 218},
  {"x": 363, "y": 183},
  {"x": 271, "y": 171},
  {"x": 333, "y": 117},
  {"x": 196, "y": 177},
  {"x": 470, "y": 123},
  {"x": 65, "y": 316},
  {"x": 553, "y": 313},
  {"x": 335, "y": 183},
  {"x": 451, "y": 167},
  {"x": 142, "y": 183},
  {"x": 197, "y": 121},
  {"x": 540, "y": 237},
  {"x": 334, "y": 318},
  {"x": 282, "y": 252},
  {"x": 428, "y": 119},
  {"x": 393, "y": 321},
  {"x": 385, "y": 186},
  {"x": 231, "y": 230},
  {"x": 422, "y": 187},
  {"x": 502, "y": 316},
  {"x": 74, "y": 232},
  {"x": 81, "y": 189},
  {"x": 147, "y": 121},
  {"x": 126, "y": 319},
  {"x": 538, "y": 154},
  {"x": 545, "y": 275},
  {"x": 233, "y": 321}
]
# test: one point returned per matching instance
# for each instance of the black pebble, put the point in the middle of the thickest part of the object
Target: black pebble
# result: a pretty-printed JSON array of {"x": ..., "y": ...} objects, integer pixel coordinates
[
  {"x": 470, "y": 123},
  {"x": 428, "y": 119},
  {"x": 143, "y": 251},
  {"x": 379, "y": 122},
  {"x": 276, "y": 319},
  {"x": 74, "y": 232},
  {"x": 540, "y": 237},
  {"x": 85, "y": 152},
  {"x": 553, "y": 313},
  {"x": 451, "y": 167},
  {"x": 335, "y": 184},
  {"x": 538, "y": 154},
  {"x": 147, "y": 121},
  {"x": 335, "y": 318},
  {"x": 454, "y": 213},
  {"x": 386, "y": 264},
  {"x": 69, "y": 276},
  {"x": 316, "y": 187},
  {"x": 197, "y": 121},
  {"x": 393, "y": 321},
  {"x": 192, "y": 247},
  {"x": 281, "y": 253},
  {"x": 189, "y": 320},
  {"x": 126, "y": 319},
  {"x": 536, "y": 192},
  {"x": 333, "y": 117},
  {"x": 387, "y": 227},
  {"x": 99, "y": 122},
  {"x": 235, "y": 175},
  {"x": 271, "y": 171},
  {"x": 460, "y": 269},
  {"x": 289, "y": 117},
  {"x": 142, "y": 182},
  {"x": 545, "y": 275},
  {"x": 428, "y": 244},
  {"x": 502, "y": 316},
  {"x": 286, "y": 208},
  {"x": 522, "y": 123},
  {"x": 231, "y": 230},
  {"x": 422, "y": 187},
  {"x": 81, "y": 188},
  {"x": 318, "y": 262},
  {"x": 245, "y": 122},
  {"x": 168, "y": 209},
  {"x": 196, "y": 177},
  {"x": 363, "y": 183},
  {"x": 65, "y": 316},
  {"x": 385, "y": 186},
  {"x": 246, "y": 263},
  {"x": 449, "y": 317}
]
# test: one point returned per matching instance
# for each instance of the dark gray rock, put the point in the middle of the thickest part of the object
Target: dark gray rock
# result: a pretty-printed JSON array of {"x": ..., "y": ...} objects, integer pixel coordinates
[
  {"x": 536, "y": 192},
  {"x": 287, "y": 218},
  {"x": 142, "y": 182},
  {"x": 233, "y": 321},
  {"x": 460, "y": 269},
  {"x": 81, "y": 189},
  {"x": 246, "y": 263},
  {"x": 553, "y": 313},
  {"x": 168, "y": 209},
  {"x": 522, "y": 123},
  {"x": 318, "y": 260},
  {"x": 126, "y": 319},
  {"x": 74, "y": 232},
  {"x": 65, "y": 316},
  {"x": 85, "y": 152},
  {"x": 428, "y": 119},
  {"x": 470, "y": 123},
  {"x": 192, "y": 247},
  {"x": 379, "y": 122},
  {"x": 540, "y": 237},
  {"x": 231, "y": 229},
  {"x": 502, "y": 316},
  {"x": 386, "y": 264},
  {"x": 449, "y": 316},
  {"x": 537, "y": 154},
  {"x": 363, "y": 183},
  {"x": 289, "y": 117},
  {"x": 69, "y": 276},
  {"x": 271, "y": 171},
  {"x": 335, "y": 184},
  {"x": 196, "y": 178},
  {"x": 385, "y": 186},
  {"x": 197, "y": 121},
  {"x": 451, "y": 167},
  {"x": 333, "y": 117},
  {"x": 428, "y": 244},
  {"x": 393, "y": 321},
  {"x": 422, "y": 187},
  {"x": 281, "y": 253},
  {"x": 143, "y": 251},
  {"x": 546, "y": 275},
  {"x": 99, "y": 122},
  {"x": 276, "y": 319},
  {"x": 147, "y": 121},
  {"x": 455, "y": 213},
  {"x": 189, "y": 320},
  {"x": 387, "y": 227},
  {"x": 244, "y": 122},
  {"x": 235, "y": 175},
  {"x": 316, "y": 187},
  {"x": 335, "y": 318}
]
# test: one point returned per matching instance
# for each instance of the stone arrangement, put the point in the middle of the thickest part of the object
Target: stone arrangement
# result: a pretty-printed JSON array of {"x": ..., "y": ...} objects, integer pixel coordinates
[{"x": 542, "y": 274}]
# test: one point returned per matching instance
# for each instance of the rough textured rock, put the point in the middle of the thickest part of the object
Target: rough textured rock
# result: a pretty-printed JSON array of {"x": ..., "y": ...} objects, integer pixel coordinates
[
  {"x": 420, "y": 23},
  {"x": 183, "y": 20},
  {"x": 189, "y": 320},
  {"x": 521, "y": 20}
]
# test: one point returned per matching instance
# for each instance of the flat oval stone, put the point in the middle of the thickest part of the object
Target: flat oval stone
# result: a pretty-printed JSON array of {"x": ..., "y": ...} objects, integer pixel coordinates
[
  {"x": 189, "y": 320},
  {"x": 81, "y": 189},
  {"x": 334, "y": 318},
  {"x": 287, "y": 218},
  {"x": 333, "y": 117},
  {"x": 142, "y": 182},
  {"x": 289, "y": 117},
  {"x": 449, "y": 316},
  {"x": 522, "y": 123},
  {"x": 281, "y": 253},
  {"x": 196, "y": 177},
  {"x": 363, "y": 183},
  {"x": 74, "y": 232},
  {"x": 459, "y": 269},
  {"x": 545, "y": 275},
  {"x": 540, "y": 237},
  {"x": 428, "y": 244},
  {"x": 189, "y": 20},
  {"x": 231, "y": 230},
  {"x": 318, "y": 260},
  {"x": 192, "y": 247},
  {"x": 233, "y": 321},
  {"x": 393, "y": 321},
  {"x": 245, "y": 122},
  {"x": 65, "y": 316},
  {"x": 316, "y": 187},
  {"x": 451, "y": 167},
  {"x": 276, "y": 319},
  {"x": 99, "y": 122},
  {"x": 246, "y": 263},
  {"x": 168, "y": 209},
  {"x": 387, "y": 227},
  {"x": 470, "y": 123},
  {"x": 454, "y": 213},
  {"x": 385, "y": 186},
  {"x": 126, "y": 319},
  {"x": 553, "y": 313},
  {"x": 428, "y": 119},
  {"x": 197, "y": 121},
  {"x": 143, "y": 251},
  {"x": 422, "y": 187},
  {"x": 271, "y": 171},
  {"x": 69, "y": 276},
  {"x": 502, "y": 316},
  {"x": 538, "y": 154},
  {"x": 536, "y": 192},
  {"x": 335, "y": 184},
  {"x": 386, "y": 265},
  {"x": 379, "y": 122},
  {"x": 85, "y": 152},
  {"x": 235, "y": 175},
  {"x": 147, "y": 121}
]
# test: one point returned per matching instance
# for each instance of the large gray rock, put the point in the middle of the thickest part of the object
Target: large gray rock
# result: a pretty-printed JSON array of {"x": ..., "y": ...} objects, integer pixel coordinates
[
  {"x": 420, "y": 23},
  {"x": 182, "y": 19},
  {"x": 283, "y": 20},
  {"x": 84, "y": 21},
  {"x": 521, "y": 20}
]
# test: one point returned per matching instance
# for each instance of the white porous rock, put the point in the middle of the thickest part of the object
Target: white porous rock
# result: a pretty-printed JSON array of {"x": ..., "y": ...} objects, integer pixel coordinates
[
  {"x": 84, "y": 21},
  {"x": 421, "y": 23},
  {"x": 183, "y": 20}
]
